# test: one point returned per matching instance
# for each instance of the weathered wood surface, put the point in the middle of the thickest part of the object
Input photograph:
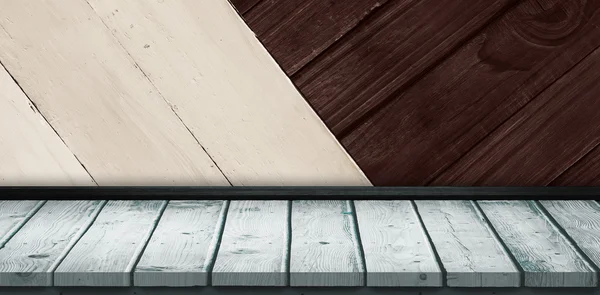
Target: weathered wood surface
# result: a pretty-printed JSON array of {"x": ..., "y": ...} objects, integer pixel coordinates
[
  {"x": 395, "y": 245},
  {"x": 31, "y": 153},
  {"x": 229, "y": 92},
  {"x": 31, "y": 256},
  {"x": 324, "y": 248},
  {"x": 581, "y": 222},
  {"x": 470, "y": 253},
  {"x": 106, "y": 255},
  {"x": 547, "y": 258},
  {"x": 183, "y": 245},
  {"x": 254, "y": 248},
  {"x": 96, "y": 97},
  {"x": 13, "y": 215}
]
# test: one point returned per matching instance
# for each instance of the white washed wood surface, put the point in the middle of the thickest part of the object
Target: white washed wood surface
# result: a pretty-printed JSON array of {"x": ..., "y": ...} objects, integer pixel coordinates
[
  {"x": 395, "y": 245},
  {"x": 468, "y": 249},
  {"x": 183, "y": 245},
  {"x": 13, "y": 215},
  {"x": 254, "y": 245}
]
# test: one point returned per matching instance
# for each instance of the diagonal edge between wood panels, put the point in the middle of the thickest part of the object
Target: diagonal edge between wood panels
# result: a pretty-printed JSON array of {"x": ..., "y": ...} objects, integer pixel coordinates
[
  {"x": 229, "y": 92},
  {"x": 30, "y": 151}
]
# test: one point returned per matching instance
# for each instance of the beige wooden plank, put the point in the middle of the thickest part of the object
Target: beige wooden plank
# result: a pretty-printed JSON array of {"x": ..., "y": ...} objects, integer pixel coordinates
[
  {"x": 96, "y": 98},
  {"x": 254, "y": 245},
  {"x": 468, "y": 249},
  {"x": 396, "y": 249},
  {"x": 183, "y": 245},
  {"x": 325, "y": 249},
  {"x": 31, "y": 153},
  {"x": 230, "y": 92},
  {"x": 14, "y": 215},
  {"x": 581, "y": 221},
  {"x": 544, "y": 254},
  {"x": 30, "y": 257},
  {"x": 107, "y": 253}
]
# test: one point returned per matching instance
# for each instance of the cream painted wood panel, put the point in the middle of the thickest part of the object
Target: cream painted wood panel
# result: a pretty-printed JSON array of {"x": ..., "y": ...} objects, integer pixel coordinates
[
  {"x": 229, "y": 91},
  {"x": 31, "y": 153},
  {"x": 97, "y": 99}
]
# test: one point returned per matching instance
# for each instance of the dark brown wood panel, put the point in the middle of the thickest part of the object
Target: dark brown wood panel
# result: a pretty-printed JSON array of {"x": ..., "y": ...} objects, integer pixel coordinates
[
  {"x": 243, "y": 6},
  {"x": 455, "y": 106},
  {"x": 585, "y": 172},
  {"x": 387, "y": 52},
  {"x": 295, "y": 31}
]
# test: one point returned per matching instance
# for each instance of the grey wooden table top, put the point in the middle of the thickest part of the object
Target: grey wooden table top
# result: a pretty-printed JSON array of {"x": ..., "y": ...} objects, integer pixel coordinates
[{"x": 334, "y": 243}]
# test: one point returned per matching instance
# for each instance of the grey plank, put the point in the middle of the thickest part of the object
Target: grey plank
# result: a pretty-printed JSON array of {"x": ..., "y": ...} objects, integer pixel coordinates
[
  {"x": 468, "y": 249},
  {"x": 545, "y": 255},
  {"x": 581, "y": 221},
  {"x": 325, "y": 249},
  {"x": 395, "y": 245},
  {"x": 30, "y": 257},
  {"x": 107, "y": 253},
  {"x": 254, "y": 245},
  {"x": 183, "y": 245},
  {"x": 13, "y": 215}
]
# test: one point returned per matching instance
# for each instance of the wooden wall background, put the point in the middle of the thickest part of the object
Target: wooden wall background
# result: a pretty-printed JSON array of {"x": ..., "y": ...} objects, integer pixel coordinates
[{"x": 443, "y": 92}]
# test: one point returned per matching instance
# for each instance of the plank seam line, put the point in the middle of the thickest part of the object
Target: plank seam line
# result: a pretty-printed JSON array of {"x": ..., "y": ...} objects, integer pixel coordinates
[
  {"x": 157, "y": 90},
  {"x": 82, "y": 231},
  {"x": 503, "y": 246},
  {"x": 287, "y": 258},
  {"x": 435, "y": 253},
  {"x": 358, "y": 248},
  {"x": 412, "y": 81},
  {"x": 546, "y": 214},
  {"x": 37, "y": 110},
  {"x": 215, "y": 243},
  {"x": 137, "y": 255},
  {"x": 241, "y": 13},
  {"x": 365, "y": 18},
  {"x": 512, "y": 116},
  {"x": 13, "y": 231}
]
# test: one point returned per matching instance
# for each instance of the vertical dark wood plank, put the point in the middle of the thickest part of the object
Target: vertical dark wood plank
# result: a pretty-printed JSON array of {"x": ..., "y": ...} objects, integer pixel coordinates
[
  {"x": 386, "y": 53},
  {"x": 456, "y": 105}
]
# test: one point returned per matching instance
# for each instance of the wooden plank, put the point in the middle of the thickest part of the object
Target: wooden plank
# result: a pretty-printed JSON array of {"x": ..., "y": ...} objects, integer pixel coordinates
[
  {"x": 385, "y": 54},
  {"x": 460, "y": 102},
  {"x": 584, "y": 172},
  {"x": 581, "y": 221},
  {"x": 31, "y": 152},
  {"x": 14, "y": 215},
  {"x": 230, "y": 92},
  {"x": 524, "y": 150},
  {"x": 106, "y": 255},
  {"x": 254, "y": 245},
  {"x": 395, "y": 245},
  {"x": 96, "y": 98},
  {"x": 325, "y": 250},
  {"x": 244, "y": 6},
  {"x": 31, "y": 256},
  {"x": 296, "y": 31},
  {"x": 544, "y": 254},
  {"x": 470, "y": 252},
  {"x": 183, "y": 246}
]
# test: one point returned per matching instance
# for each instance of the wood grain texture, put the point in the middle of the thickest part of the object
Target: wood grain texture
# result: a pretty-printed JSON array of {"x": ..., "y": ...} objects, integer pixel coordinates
[
  {"x": 96, "y": 97},
  {"x": 325, "y": 250},
  {"x": 387, "y": 53},
  {"x": 468, "y": 249},
  {"x": 243, "y": 6},
  {"x": 544, "y": 138},
  {"x": 254, "y": 245},
  {"x": 544, "y": 254},
  {"x": 183, "y": 245},
  {"x": 581, "y": 221},
  {"x": 296, "y": 31},
  {"x": 584, "y": 172},
  {"x": 395, "y": 245},
  {"x": 481, "y": 85},
  {"x": 229, "y": 92},
  {"x": 106, "y": 255},
  {"x": 14, "y": 215},
  {"x": 31, "y": 256},
  {"x": 31, "y": 152}
]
